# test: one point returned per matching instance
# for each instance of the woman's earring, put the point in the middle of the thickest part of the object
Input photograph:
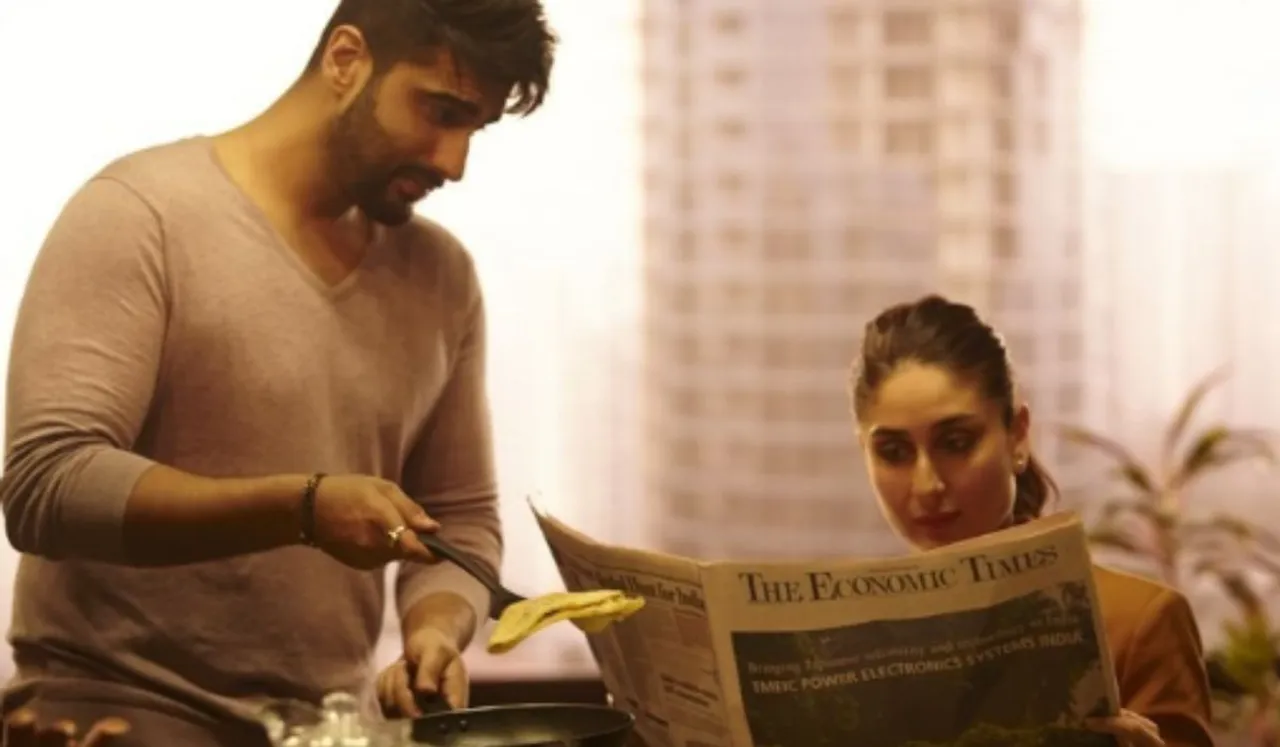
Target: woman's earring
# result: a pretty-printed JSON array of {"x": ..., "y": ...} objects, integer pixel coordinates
[{"x": 1020, "y": 465}]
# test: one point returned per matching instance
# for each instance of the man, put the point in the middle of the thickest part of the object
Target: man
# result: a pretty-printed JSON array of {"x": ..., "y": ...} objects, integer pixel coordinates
[{"x": 241, "y": 371}]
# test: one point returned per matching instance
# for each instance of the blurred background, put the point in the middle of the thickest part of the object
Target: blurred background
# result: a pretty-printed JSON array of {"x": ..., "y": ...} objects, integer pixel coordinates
[{"x": 680, "y": 250}]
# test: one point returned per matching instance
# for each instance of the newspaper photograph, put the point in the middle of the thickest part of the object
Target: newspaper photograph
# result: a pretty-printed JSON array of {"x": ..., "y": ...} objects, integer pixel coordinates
[{"x": 994, "y": 641}]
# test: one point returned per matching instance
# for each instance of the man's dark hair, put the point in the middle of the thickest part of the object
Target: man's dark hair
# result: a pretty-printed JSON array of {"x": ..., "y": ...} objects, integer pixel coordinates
[{"x": 502, "y": 42}]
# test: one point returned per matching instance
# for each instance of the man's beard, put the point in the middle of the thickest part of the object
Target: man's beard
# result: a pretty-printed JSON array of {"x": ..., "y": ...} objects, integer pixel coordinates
[{"x": 365, "y": 165}]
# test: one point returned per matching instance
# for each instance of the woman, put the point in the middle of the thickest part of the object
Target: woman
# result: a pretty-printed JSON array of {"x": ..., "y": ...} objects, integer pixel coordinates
[{"x": 948, "y": 451}]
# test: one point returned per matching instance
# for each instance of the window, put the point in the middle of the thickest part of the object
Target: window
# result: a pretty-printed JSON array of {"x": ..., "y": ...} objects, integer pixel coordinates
[
  {"x": 856, "y": 243},
  {"x": 686, "y": 248},
  {"x": 730, "y": 76},
  {"x": 684, "y": 298},
  {"x": 1002, "y": 136},
  {"x": 1072, "y": 297},
  {"x": 843, "y": 78},
  {"x": 731, "y": 129},
  {"x": 685, "y": 349},
  {"x": 786, "y": 245},
  {"x": 903, "y": 82},
  {"x": 1072, "y": 249},
  {"x": 648, "y": 25},
  {"x": 684, "y": 91},
  {"x": 1021, "y": 347},
  {"x": 652, "y": 179},
  {"x": 842, "y": 24},
  {"x": 1004, "y": 243},
  {"x": 955, "y": 179},
  {"x": 737, "y": 350},
  {"x": 907, "y": 27},
  {"x": 1008, "y": 28},
  {"x": 1072, "y": 346},
  {"x": 778, "y": 300},
  {"x": 684, "y": 143},
  {"x": 684, "y": 196},
  {"x": 785, "y": 193},
  {"x": 738, "y": 404},
  {"x": 1041, "y": 138},
  {"x": 774, "y": 404},
  {"x": 1002, "y": 80},
  {"x": 1014, "y": 296},
  {"x": 844, "y": 133},
  {"x": 798, "y": 245},
  {"x": 682, "y": 504},
  {"x": 909, "y": 138},
  {"x": 733, "y": 237},
  {"x": 728, "y": 22},
  {"x": 851, "y": 297},
  {"x": 1039, "y": 75},
  {"x": 685, "y": 453},
  {"x": 736, "y": 297},
  {"x": 1071, "y": 397},
  {"x": 1002, "y": 189},
  {"x": 731, "y": 182}
]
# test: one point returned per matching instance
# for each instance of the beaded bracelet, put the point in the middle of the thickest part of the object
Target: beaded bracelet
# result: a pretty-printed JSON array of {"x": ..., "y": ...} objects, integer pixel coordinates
[{"x": 308, "y": 531}]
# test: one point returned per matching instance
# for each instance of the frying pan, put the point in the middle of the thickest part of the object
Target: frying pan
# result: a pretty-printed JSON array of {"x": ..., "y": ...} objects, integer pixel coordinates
[{"x": 522, "y": 725}]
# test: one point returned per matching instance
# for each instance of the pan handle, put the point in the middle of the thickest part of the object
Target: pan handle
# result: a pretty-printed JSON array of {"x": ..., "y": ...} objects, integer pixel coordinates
[{"x": 431, "y": 704}]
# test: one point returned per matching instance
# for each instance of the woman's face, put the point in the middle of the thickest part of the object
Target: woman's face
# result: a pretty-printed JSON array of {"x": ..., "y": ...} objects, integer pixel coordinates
[{"x": 940, "y": 457}]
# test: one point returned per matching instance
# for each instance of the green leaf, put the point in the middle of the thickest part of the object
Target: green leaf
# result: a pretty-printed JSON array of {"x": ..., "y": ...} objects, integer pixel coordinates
[
  {"x": 1221, "y": 446},
  {"x": 1249, "y": 653},
  {"x": 1233, "y": 528},
  {"x": 1178, "y": 427},
  {"x": 1242, "y": 593},
  {"x": 1115, "y": 538},
  {"x": 1118, "y": 509},
  {"x": 1128, "y": 466},
  {"x": 1263, "y": 561}
]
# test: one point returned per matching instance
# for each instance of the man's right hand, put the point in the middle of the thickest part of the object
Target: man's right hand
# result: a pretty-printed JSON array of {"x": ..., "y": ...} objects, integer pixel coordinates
[
  {"x": 356, "y": 518},
  {"x": 174, "y": 517},
  {"x": 22, "y": 729}
]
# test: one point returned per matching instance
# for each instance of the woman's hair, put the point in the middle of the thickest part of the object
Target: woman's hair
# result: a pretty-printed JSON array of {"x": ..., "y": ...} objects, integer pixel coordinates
[{"x": 935, "y": 331}]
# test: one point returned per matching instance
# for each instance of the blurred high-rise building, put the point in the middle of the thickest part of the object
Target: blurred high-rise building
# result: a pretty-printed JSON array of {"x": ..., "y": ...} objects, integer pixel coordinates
[{"x": 807, "y": 164}]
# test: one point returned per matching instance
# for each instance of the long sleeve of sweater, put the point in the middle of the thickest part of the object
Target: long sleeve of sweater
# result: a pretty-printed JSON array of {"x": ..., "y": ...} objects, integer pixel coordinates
[
  {"x": 451, "y": 473},
  {"x": 82, "y": 369}
]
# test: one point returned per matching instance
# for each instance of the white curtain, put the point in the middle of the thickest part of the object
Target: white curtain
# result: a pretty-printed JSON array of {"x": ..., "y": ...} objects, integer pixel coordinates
[{"x": 1183, "y": 134}]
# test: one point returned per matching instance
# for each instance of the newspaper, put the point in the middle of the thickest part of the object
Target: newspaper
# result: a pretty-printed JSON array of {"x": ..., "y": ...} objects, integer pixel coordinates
[{"x": 994, "y": 641}]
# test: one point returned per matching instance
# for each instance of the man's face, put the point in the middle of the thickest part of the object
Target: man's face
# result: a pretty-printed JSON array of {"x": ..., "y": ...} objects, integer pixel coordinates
[{"x": 406, "y": 131}]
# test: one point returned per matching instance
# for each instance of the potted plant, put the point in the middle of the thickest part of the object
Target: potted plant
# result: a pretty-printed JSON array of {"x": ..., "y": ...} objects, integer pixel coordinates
[{"x": 1151, "y": 521}]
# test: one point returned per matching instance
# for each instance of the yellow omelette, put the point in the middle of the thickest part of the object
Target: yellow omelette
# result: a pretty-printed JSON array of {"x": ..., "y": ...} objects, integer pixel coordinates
[{"x": 591, "y": 611}]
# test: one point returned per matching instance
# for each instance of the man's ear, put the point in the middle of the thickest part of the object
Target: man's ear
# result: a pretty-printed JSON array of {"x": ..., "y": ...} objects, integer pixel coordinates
[{"x": 346, "y": 64}]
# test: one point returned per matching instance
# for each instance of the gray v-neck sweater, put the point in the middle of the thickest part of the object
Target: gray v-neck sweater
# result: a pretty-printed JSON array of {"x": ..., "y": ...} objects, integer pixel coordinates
[{"x": 165, "y": 321}]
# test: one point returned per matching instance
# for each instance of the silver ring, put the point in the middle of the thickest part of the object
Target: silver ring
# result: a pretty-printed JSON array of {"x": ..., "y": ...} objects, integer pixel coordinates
[{"x": 393, "y": 535}]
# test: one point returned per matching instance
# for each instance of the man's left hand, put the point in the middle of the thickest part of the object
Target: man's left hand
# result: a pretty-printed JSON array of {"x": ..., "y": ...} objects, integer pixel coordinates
[
  {"x": 22, "y": 729},
  {"x": 431, "y": 666}
]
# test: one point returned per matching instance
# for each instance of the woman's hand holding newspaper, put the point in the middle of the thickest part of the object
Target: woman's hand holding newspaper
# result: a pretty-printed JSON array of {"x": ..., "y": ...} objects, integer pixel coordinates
[{"x": 1131, "y": 729}]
